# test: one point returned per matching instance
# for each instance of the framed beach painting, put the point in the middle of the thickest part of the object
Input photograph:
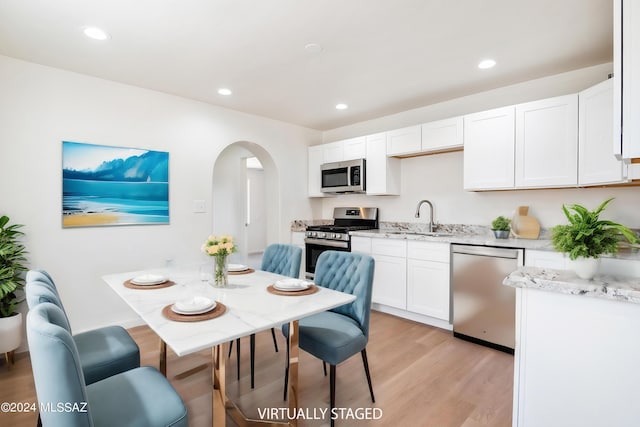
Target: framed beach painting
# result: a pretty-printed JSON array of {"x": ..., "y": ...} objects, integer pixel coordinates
[{"x": 105, "y": 186}]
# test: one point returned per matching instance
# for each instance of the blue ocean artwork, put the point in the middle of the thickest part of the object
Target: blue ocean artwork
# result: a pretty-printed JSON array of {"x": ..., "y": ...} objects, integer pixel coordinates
[{"x": 104, "y": 185}]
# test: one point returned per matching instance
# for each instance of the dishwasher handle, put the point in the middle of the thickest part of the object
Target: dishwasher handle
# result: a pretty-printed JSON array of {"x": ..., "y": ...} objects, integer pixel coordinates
[{"x": 490, "y": 251}]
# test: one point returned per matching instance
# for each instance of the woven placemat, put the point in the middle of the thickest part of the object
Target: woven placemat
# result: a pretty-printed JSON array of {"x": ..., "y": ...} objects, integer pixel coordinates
[
  {"x": 247, "y": 271},
  {"x": 128, "y": 284},
  {"x": 310, "y": 290},
  {"x": 218, "y": 310}
]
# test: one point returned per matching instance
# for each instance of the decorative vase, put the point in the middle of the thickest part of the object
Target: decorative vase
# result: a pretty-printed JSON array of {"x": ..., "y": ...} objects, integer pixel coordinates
[
  {"x": 220, "y": 271},
  {"x": 10, "y": 333},
  {"x": 586, "y": 268},
  {"x": 501, "y": 234}
]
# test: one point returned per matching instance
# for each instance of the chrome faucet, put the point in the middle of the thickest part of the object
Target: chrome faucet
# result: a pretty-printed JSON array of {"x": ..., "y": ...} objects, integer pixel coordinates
[{"x": 430, "y": 213}]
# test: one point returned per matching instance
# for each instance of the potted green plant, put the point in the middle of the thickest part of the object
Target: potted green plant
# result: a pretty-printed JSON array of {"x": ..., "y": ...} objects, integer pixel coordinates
[
  {"x": 12, "y": 267},
  {"x": 586, "y": 237},
  {"x": 501, "y": 227}
]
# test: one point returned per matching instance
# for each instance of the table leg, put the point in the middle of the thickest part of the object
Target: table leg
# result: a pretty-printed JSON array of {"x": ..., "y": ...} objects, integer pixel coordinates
[
  {"x": 221, "y": 405},
  {"x": 163, "y": 358},
  {"x": 294, "y": 352},
  {"x": 9, "y": 356},
  {"x": 219, "y": 392}
]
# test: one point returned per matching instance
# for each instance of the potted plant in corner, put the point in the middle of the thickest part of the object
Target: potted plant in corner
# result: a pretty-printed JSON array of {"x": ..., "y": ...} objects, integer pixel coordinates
[
  {"x": 501, "y": 227},
  {"x": 12, "y": 259},
  {"x": 586, "y": 237}
]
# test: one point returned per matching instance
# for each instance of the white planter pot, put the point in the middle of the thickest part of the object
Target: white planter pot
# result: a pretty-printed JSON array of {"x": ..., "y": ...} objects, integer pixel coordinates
[
  {"x": 586, "y": 268},
  {"x": 10, "y": 333}
]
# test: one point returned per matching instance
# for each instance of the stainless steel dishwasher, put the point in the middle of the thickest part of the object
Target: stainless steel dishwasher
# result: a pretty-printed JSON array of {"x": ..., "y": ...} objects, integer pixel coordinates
[{"x": 483, "y": 308}]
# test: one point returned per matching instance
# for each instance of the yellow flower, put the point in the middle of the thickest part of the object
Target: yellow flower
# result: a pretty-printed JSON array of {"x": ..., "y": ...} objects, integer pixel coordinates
[{"x": 218, "y": 245}]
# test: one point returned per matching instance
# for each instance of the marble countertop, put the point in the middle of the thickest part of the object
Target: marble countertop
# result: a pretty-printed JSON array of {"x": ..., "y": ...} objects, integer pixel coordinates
[
  {"x": 250, "y": 308},
  {"x": 460, "y": 234},
  {"x": 620, "y": 288},
  {"x": 486, "y": 239}
]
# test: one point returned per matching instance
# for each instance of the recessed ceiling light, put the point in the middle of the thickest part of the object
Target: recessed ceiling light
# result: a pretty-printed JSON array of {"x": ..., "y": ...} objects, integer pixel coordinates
[
  {"x": 486, "y": 63},
  {"x": 313, "y": 48},
  {"x": 341, "y": 106},
  {"x": 95, "y": 33},
  {"x": 224, "y": 91}
]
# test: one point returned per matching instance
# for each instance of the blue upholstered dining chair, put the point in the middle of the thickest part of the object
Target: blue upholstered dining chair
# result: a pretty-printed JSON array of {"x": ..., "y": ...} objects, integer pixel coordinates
[
  {"x": 141, "y": 396},
  {"x": 103, "y": 352},
  {"x": 334, "y": 336},
  {"x": 281, "y": 259}
]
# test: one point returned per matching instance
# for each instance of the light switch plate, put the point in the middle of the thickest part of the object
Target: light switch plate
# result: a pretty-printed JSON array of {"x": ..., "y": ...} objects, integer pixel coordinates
[{"x": 199, "y": 206}]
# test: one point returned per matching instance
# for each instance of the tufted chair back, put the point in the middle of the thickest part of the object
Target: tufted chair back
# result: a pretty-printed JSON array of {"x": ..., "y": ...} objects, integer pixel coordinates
[
  {"x": 350, "y": 273},
  {"x": 56, "y": 366},
  {"x": 282, "y": 259},
  {"x": 41, "y": 276},
  {"x": 38, "y": 292}
]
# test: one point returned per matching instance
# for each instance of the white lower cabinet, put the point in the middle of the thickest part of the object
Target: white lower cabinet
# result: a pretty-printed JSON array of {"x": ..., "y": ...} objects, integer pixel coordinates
[
  {"x": 389, "y": 281},
  {"x": 428, "y": 279},
  {"x": 428, "y": 288},
  {"x": 576, "y": 361},
  {"x": 411, "y": 278},
  {"x": 390, "y": 275}
]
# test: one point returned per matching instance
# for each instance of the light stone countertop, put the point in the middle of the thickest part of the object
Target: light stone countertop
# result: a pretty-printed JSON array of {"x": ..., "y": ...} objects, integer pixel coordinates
[
  {"x": 619, "y": 288},
  {"x": 458, "y": 234},
  {"x": 461, "y": 238},
  {"x": 250, "y": 308}
]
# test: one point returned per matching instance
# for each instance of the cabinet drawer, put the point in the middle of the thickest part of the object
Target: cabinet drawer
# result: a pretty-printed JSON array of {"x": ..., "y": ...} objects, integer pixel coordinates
[
  {"x": 428, "y": 251},
  {"x": 361, "y": 245},
  {"x": 389, "y": 247}
]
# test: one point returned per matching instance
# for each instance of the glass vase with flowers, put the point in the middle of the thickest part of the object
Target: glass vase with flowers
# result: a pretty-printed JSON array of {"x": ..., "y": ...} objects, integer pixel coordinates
[{"x": 219, "y": 248}]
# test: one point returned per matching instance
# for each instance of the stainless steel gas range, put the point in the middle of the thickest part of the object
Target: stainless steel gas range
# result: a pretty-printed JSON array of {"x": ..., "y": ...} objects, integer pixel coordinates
[{"x": 320, "y": 238}]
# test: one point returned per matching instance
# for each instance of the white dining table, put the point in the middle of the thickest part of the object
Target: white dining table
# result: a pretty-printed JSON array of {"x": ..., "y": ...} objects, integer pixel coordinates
[{"x": 250, "y": 308}]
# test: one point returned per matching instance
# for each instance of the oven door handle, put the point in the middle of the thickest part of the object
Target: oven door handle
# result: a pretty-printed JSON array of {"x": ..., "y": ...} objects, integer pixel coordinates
[{"x": 330, "y": 243}]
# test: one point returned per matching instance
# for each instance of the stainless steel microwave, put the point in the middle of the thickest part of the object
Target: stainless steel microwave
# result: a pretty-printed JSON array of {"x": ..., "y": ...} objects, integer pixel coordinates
[{"x": 344, "y": 177}]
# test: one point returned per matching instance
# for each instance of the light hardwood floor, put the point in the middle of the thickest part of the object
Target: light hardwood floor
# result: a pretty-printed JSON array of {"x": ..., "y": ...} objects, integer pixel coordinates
[{"x": 422, "y": 377}]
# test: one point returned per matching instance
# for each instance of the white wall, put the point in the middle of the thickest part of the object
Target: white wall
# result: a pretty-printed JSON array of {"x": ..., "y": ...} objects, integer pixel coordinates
[
  {"x": 439, "y": 177},
  {"x": 41, "y": 106}
]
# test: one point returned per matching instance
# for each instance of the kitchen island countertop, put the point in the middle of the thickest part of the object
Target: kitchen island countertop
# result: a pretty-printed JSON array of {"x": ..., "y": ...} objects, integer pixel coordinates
[{"x": 620, "y": 288}]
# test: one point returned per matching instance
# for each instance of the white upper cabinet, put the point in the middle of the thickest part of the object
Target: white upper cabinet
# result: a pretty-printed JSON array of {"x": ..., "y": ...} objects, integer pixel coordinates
[
  {"x": 354, "y": 148},
  {"x": 383, "y": 173},
  {"x": 314, "y": 179},
  {"x": 443, "y": 135},
  {"x": 333, "y": 152},
  {"x": 489, "y": 149},
  {"x": 547, "y": 143},
  {"x": 404, "y": 141},
  {"x": 626, "y": 69},
  {"x": 596, "y": 162}
]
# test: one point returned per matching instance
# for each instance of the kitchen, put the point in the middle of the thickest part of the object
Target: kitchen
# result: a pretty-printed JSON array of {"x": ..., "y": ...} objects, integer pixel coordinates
[{"x": 62, "y": 104}]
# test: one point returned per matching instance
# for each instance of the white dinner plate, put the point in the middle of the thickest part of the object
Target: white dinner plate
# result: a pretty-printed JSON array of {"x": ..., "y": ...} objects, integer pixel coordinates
[
  {"x": 148, "y": 279},
  {"x": 192, "y": 313},
  {"x": 291, "y": 285},
  {"x": 237, "y": 267},
  {"x": 193, "y": 305}
]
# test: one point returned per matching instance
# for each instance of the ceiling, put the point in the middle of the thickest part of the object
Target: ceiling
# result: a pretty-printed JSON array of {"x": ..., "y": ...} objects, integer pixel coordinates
[{"x": 378, "y": 56}]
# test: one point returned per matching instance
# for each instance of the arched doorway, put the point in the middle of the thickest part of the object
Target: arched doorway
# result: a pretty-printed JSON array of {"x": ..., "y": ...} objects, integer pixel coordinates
[{"x": 242, "y": 207}]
